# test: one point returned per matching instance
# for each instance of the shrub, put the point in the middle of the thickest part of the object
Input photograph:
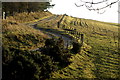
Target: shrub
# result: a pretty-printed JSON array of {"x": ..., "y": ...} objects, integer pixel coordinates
[
  {"x": 55, "y": 49},
  {"x": 26, "y": 65},
  {"x": 76, "y": 47}
]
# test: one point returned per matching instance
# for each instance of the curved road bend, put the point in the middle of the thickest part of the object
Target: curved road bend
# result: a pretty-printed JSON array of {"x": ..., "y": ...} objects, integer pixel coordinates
[{"x": 67, "y": 40}]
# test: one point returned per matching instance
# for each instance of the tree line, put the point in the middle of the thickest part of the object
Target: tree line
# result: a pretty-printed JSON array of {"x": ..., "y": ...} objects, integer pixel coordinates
[{"x": 11, "y": 7}]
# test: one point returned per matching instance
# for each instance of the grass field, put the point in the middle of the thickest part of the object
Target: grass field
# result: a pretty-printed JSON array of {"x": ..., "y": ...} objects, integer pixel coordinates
[
  {"x": 17, "y": 35},
  {"x": 98, "y": 58},
  {"x": 102, "y": 60},
  {"x": 28, "y": 17}
]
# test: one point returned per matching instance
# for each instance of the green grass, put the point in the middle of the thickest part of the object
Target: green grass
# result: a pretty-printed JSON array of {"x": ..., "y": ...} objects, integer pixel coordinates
[
  {"x": 99, "y": 56},
  {"x": 101, "y": 61},
  {"x": 21, "y": 36},
  {"x": 103, "y": 38}
]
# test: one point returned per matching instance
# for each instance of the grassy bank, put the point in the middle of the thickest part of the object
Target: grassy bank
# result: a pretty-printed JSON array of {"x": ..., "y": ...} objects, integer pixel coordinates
[{"x": 98, "y": 58}]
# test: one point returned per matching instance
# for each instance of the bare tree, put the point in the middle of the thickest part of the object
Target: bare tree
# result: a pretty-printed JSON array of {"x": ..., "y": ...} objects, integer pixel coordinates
[{"x": 96, "y": 6}]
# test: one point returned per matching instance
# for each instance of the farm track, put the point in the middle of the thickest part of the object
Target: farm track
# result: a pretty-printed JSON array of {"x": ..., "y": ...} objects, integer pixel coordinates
[
  {"x": 66, "y": 39},
  {"x": 46, "y": 19},
  {"x": 107, "y": 65}
]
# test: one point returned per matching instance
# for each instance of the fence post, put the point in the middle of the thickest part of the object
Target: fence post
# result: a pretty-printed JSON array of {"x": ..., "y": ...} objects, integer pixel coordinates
[
  {"x": 82, "y": 38},
  {"x": 114, "y": 36},
  {"x": 58, "y": 24},
  {"x": 4, "y": 15},
  {"x": 67, "y": 44}
]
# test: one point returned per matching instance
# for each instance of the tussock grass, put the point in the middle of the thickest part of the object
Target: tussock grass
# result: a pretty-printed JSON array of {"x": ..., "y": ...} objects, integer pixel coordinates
[
  {"x": 17, "y": 35},
  {"x": 28, "y": 17}
]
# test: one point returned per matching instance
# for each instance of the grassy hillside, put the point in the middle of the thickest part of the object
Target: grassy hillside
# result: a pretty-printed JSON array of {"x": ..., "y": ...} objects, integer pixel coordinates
[
  {"x": 102, "y": 60},
  {"x": 19, "y": 59},
  {"x": 17, "y": 35},
  {"x": 98, "y": 58},
  {"x": 28, "y": 17}
]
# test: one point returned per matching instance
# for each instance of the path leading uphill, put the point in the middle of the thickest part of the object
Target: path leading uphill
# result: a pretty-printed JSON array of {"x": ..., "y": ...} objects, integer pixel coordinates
[
  {"x": 95, "y": 63},
  {"x": 67, "y": 39}
]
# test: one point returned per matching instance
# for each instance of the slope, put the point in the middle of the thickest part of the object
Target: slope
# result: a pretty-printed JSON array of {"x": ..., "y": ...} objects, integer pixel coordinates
[
  {"x": 102, "y": 60},
  {"x": 99, "y": 56},
  {"x": 20, "y": 36}
]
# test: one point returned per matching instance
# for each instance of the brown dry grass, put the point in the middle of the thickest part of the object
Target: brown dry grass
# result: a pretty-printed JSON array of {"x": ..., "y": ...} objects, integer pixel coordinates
[
  {"x": 21, "y": 36},
  {"x": 25, "y": 17}
]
